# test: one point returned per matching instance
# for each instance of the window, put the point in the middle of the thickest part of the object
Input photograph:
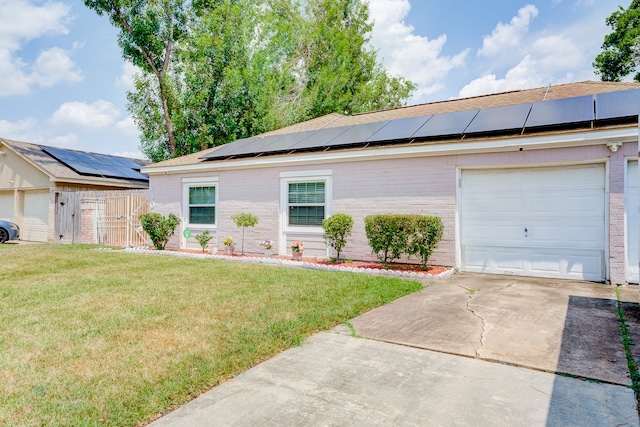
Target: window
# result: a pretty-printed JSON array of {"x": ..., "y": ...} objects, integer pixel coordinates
[
  {"x": 202, "y": 205},
  {"x": 306, "y": 203}
]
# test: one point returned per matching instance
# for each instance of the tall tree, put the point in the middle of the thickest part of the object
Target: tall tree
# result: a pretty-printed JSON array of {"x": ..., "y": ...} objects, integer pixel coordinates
[
  {"x": 621, "y": 48},
  {"x": 149, "y": 31}
]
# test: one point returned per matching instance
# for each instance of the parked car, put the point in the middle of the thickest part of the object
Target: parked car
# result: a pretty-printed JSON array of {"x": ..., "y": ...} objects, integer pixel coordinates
[{"x": 9, "y": 231}]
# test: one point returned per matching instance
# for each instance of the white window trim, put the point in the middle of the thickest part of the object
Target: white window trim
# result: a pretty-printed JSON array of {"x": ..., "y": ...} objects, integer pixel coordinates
[
  {"x": 188, "y": 183},
  {"x": 295, "y": 177}
]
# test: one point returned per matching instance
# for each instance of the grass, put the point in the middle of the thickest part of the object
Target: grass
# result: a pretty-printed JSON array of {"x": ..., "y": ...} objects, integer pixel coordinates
[
  {"x": 627, "y": 343},
  {"x": 115, "y": 339}
]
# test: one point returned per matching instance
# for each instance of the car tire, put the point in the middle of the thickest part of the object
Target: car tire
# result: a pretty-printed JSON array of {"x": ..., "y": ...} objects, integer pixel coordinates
[{"x": 4, "y": 235}]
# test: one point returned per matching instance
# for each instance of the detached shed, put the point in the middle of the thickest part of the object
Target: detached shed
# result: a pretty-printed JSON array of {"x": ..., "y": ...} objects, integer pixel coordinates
[
  {"x": 33, "y": 177},
  {"x": 539, "y": 182}
]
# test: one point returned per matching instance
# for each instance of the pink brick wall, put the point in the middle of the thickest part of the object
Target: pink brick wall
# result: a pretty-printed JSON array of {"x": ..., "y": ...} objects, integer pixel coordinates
[{"x": 423, "y": 185}]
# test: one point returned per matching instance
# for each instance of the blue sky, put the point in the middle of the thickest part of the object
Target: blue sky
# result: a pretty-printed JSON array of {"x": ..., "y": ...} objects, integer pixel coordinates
[{"x": 63, "y": 81}]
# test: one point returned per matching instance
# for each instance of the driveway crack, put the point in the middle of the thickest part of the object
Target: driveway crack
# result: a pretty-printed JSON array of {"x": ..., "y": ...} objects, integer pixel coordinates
[{"x": 472, "y": 311}]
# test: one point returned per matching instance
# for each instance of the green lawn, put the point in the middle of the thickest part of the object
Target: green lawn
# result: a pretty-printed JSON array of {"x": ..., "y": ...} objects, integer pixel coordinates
[{"x": 107, "y": 338}]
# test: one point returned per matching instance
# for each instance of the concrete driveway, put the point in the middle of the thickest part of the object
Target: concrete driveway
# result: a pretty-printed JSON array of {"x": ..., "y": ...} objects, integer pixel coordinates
[{"x": 445, "y": 372}]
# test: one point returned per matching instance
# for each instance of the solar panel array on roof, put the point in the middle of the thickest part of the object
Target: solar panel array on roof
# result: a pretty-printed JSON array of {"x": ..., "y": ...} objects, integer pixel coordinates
[
  {"x": 97, "y": 164},
  {"x": 561, "y": 111},
  {"x": 496, "y": 120},
  {"x": 614, "y": 105}
]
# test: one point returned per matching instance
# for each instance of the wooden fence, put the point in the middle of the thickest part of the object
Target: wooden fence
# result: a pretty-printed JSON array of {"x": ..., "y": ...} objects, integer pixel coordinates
[{"x": 102, "y": 217}]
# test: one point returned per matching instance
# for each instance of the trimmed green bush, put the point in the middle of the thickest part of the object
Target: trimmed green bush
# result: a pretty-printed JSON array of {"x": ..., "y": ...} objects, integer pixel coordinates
[
  {"x": 393, "y": 235},
  {"x": 388, "y": 235},
  {"x": 204, "y": 239},
  {"x": 159, "y": 228},
  {"x": 336, "y": 229},
  {"x": 427, "y": 232}
]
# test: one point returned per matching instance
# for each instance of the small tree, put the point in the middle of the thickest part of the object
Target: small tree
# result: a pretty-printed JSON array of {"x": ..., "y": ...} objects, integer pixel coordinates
[
  {"x": 159, "y": 228},
  {"x": 336, "y": 229},
  {"x": 244, "y": 220},
  {"x": 204, "y": 239}
]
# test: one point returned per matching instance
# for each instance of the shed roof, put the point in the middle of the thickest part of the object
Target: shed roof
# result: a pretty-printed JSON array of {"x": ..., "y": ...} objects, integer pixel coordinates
[{"x": 58, "y": 171}]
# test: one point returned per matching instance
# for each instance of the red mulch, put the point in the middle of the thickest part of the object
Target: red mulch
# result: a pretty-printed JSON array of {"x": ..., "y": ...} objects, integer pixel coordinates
[{"x": 343, "y": 263}]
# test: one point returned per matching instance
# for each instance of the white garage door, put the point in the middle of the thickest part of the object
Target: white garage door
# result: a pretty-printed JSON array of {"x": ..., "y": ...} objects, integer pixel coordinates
[
  {"x": 546, "y": 222},
  {"x": 6, "y": 206},
  {"x": 36, "y": 216},
  {"x": 631, "y": 214}
]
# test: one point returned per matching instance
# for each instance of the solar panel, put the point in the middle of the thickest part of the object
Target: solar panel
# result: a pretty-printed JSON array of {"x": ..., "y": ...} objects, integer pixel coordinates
[
  {"x": 227, "y": 149},
  {"x": 561, "y": 111},
  {"x": 288, "y": 141},
  {"x": 257, "y": 145},
  {"x": 615, "y": 105},
  {"x": 506, "y": 118},
  {"x": 399, "y": 129},
  {"x": 356, "y": 134},
  {"x": 446, "y": 124},
  {"x": 97, "y": 164},
  {"x": 320, "y": 138}
]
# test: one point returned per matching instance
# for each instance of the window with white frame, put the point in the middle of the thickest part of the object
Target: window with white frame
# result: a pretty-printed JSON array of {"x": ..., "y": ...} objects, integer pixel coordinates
[
  {"x": 305, "y": 199},
  {"x": 200, "y": 199},
  {"x": 306, "y": 203}
]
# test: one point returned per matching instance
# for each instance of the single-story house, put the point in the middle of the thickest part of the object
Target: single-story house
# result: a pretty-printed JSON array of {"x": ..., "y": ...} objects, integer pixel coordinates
[
  {"x": 539, "y": 182},
  {"x": 32, "y": 176}
]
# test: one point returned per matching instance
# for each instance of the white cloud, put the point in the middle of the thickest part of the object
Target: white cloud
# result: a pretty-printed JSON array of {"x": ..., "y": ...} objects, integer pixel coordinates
[
  {"x": 128, "y": 126},
  {"x": 11, "y": 129},
  {"x": 69, "y": 140},
  {"x": 54, "y": 66},
  {"x": 22, "y": 21},
  {"x": 125, "y": 79},
  {"x": 99, "y": 115},
  {"x": 506, "y": 36},
  {"x": 407, "y": 54}
]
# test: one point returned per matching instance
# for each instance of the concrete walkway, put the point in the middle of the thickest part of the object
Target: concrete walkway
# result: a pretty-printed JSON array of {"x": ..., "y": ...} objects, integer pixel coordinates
[{"x": 339, "y": 380}]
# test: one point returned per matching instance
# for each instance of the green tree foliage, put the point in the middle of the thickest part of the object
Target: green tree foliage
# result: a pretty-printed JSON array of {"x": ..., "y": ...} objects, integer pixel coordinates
[
  {"x": 388, "y": 235},
  {"x": 213, "y": 71},
  {"x": 620, "y": 54},
  {"x": 427, "y": 232},
  {"x": 148, "y": 34},
  {"x": 159, "y": 228},
  {"x": 336, "y": 230}
]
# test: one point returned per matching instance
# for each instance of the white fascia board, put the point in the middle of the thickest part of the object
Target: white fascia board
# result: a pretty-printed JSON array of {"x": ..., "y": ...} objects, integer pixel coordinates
[{"x": 592, "y": 137}]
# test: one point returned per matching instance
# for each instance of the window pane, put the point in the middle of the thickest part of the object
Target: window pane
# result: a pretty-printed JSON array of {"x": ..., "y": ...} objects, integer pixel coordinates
[
  {"x": 306, "y": 192},
  {"x": 202, "y": 195},
  {"x": 204, "y": 215},
  {"x": 306, "y": 215}
]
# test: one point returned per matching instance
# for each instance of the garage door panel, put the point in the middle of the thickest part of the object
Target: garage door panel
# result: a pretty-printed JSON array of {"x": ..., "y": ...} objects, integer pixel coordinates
[
  {"x": 562, "y": 210},
  {"x": 36, "y": 217},
  {"x": 6, "y": 207}
]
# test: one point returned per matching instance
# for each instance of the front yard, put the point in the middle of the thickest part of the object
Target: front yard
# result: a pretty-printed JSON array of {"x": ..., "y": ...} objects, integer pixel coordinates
[{"x": 99, "y": 337}]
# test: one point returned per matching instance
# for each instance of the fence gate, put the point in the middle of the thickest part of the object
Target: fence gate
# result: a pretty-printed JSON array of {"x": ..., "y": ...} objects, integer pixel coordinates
[{"x": 102, "y": 217}]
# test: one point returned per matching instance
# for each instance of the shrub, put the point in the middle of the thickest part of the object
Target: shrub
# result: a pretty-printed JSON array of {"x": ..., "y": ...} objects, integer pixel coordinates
[
  {"x": 204, "y": 239},
  {"x": 427, "y": 232},
  {"x": 336, "y": 229},
  {"x": 159, "y": 228},
  {"x": 388, "y": 235},
  {"x": 244, "y": 220}
]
